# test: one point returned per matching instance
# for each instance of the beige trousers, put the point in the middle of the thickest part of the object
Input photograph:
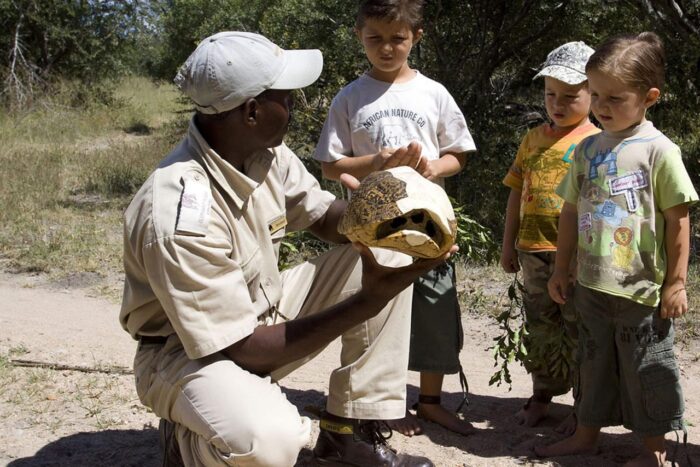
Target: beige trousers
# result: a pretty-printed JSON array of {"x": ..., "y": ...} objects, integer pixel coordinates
[{"x": 225, "y": 415}]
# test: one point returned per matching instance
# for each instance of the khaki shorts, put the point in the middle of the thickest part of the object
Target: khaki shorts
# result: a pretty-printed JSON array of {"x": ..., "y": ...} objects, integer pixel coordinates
[
  {"x": 225, "y": 415},
  {"x": 628, "y": 371}
]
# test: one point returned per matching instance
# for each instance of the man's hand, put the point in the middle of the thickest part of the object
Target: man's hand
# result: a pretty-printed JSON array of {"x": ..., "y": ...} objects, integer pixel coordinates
[
  {"x": 349, "y": 181},
  {"x": 381, "y": 283},
  {"x": 557, "y": 286},
  {"x": 674, "y": 301},
  {"x": 410, "y": 156},
  {"x": 509, "y": 260}
]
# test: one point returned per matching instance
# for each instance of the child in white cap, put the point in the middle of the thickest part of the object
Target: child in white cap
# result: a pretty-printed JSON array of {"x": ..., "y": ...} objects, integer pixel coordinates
[{"x": 532, "y": 214}]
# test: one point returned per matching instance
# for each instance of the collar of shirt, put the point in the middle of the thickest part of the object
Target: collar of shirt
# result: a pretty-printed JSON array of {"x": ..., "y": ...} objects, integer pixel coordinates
[{"x": 235, "y": 184}]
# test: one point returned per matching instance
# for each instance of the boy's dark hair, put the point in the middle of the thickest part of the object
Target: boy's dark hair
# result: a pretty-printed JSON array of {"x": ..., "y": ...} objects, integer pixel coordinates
[
  {"x": 638, "y": 61},
  {"x": 407, "y": 11}
]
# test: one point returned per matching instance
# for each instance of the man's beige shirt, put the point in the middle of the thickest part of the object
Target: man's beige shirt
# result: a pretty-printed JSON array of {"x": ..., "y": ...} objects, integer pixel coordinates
[{"x": 201, "y": 243}]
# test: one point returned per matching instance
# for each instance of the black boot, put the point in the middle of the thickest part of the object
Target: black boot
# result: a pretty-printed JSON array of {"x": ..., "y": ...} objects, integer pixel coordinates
[
  {"x": 362, "y": 443},
  {"x": 168, "y": 444}
]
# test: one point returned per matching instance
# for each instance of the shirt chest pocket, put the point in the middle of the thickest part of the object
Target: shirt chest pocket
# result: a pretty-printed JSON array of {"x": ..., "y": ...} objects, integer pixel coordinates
[{"x": 250, "y": 267}]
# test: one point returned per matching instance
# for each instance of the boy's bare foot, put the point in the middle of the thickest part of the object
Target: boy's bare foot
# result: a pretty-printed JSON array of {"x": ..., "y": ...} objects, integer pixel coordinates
[
  {"x": 407, "y": 426},
  {"x": 583, "y": 441},
  {"x": 438, "y": 414},
  {"x": 532, "y": 412},
  {"x": 568, "y": 425},
  {"x": 648, "y": 459},
  {"x": 653, "y": 453}
]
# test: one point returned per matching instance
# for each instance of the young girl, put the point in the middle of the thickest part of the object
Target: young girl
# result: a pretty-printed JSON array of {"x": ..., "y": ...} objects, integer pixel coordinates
[{"x": 626, "y": 208}]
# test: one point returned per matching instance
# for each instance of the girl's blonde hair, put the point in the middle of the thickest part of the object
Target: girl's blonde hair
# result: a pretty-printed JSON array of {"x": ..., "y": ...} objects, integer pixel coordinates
[{"x": 638, "y": 61}]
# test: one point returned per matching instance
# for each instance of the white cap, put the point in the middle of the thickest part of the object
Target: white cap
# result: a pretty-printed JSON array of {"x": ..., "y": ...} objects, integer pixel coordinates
[
  {"x": 567, "y": 63},
  {"x": 228, "y": 68}
]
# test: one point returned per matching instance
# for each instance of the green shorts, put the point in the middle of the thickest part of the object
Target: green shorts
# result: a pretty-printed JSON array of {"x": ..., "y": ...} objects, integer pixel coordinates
[
  {"x": 436, "y": 325},
  {"x": 547, "y": 324},
  {"x": 628, "y": 371}
]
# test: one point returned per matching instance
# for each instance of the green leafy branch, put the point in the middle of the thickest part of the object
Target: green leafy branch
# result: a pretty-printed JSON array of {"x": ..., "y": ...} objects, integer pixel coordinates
[
  {"x": 510, "y": 344},
  {"x": 475, "y": 241},
  {"x": 552, "y": 352}
]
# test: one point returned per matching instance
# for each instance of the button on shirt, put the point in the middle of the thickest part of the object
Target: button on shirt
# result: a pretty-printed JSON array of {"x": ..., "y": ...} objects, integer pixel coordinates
[{"x": 201, "y": 242}]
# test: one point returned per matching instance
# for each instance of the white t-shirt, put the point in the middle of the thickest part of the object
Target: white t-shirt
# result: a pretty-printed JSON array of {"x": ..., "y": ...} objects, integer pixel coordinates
[{"x": 368, "y": 115}]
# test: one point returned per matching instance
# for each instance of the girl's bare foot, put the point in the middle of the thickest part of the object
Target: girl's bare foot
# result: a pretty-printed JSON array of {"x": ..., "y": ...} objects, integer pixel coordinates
[
  {"x": 407, "y": 426},
  {"x": 532, "y": 413},
  {"x": 583, "y": 441},
  {"x": 438, "y": 414}
]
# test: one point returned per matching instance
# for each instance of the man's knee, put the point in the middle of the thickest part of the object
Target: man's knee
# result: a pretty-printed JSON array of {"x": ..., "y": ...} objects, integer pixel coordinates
[{"x": 270, "y": 442}]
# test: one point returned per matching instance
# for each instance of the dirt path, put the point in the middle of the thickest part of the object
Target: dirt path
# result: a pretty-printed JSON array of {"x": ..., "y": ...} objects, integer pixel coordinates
[{"x": 74, "y": 418}]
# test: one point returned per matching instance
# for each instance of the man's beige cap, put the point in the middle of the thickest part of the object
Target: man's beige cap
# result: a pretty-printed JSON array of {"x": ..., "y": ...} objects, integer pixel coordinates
[{"x": 230, "y": 67}]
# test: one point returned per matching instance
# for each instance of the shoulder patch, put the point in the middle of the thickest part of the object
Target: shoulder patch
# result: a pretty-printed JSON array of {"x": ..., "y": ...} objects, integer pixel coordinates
[{"x": 195, "y": 205}]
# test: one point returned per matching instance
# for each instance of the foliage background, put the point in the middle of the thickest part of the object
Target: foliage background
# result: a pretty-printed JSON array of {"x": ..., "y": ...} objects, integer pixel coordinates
[{"x": 484, "y": 51}]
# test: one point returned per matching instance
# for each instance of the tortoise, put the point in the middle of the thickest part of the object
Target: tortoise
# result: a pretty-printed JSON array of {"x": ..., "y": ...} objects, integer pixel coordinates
[{"x": 400, "y": 210}]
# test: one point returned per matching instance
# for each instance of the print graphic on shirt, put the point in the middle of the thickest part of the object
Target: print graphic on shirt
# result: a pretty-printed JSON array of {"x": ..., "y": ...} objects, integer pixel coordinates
[
  {"x": 585, "y": 222},
  {"x": 394, "y": 136},
  {"x": 569, "y": 152},
  {"x": 544, "y": 171},
  {"x": 628, "y": 185},
  {"x": 396, "y": 114},
  {"x": 610, "y": 212},
  {"x": 594, "y": 194},
  {"x": 607, "y": 158},
  {"x": 622, "y": 253}
]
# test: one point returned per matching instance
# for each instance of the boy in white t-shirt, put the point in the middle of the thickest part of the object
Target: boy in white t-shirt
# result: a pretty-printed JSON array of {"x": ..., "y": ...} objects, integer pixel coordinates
[{"x": 393, "y": 116}]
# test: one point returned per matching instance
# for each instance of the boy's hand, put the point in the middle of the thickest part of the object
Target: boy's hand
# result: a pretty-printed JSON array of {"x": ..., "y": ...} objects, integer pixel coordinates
[
  {"x": 557, "y": 286},
  {"x": 509, "y": 260},
  {"x": 429, "y": 172},
  {"x": 379, "y": 162},
  {"x": 674, "y": 301}
]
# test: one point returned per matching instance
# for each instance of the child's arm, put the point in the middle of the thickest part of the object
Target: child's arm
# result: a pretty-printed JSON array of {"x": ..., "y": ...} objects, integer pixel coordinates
[
  {"x": 674, "y": 301},
  {"x": 361, "y": 166},
  {"x": 567, "y": 240},
  {"x": 509, "y": 255},
  {"x": 447, "y": 165}
]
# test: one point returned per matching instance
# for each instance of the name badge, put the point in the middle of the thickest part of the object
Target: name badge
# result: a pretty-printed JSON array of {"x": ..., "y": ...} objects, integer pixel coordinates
[{"x": 278, "y": 223}]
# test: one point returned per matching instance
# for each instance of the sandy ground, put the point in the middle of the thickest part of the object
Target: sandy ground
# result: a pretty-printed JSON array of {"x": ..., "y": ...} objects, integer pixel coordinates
[{"x": 77, "y": 418}]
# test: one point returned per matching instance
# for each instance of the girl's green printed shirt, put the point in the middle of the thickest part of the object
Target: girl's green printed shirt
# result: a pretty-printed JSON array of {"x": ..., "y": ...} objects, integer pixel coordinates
[{"x": 621, "y": 183}]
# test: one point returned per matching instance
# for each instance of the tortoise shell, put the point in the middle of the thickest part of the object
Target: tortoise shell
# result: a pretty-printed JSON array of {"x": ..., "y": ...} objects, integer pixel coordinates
[{"x": 401, "y": 210}]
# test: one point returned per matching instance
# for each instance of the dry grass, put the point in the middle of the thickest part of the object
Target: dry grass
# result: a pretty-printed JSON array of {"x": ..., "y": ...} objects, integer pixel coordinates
[{"x": 68, "y": 174}]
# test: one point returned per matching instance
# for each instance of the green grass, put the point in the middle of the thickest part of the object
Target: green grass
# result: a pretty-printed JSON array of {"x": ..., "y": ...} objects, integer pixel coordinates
[{"x": 68, "y": 173}]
